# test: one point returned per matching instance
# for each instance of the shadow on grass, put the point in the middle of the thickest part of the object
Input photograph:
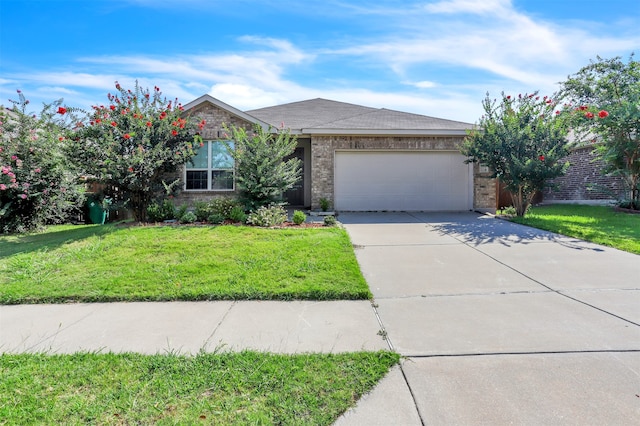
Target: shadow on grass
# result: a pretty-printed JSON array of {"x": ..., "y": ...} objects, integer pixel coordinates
[{"x": 49, "y": 239}]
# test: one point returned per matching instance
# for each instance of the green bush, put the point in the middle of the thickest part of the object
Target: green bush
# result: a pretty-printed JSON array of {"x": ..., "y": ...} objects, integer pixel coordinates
[
  {"x": 330, "y": 221},
  {"x": 268, "y": 216},
  {"x": 201, "y": 210},
  {"x": 215, "y": 218},
  {"x": 181, "y": 211},
  {"x": 188, "y": 217},
  {"x": 161, "y": 212},
  {"x": 324, "y": 204},
  {"x": 299, "y": 217},
  {"x": 237, "y": 214}
]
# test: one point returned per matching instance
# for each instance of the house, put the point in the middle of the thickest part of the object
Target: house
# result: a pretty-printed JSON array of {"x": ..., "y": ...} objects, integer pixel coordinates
[{"x": 357, "y": 157}]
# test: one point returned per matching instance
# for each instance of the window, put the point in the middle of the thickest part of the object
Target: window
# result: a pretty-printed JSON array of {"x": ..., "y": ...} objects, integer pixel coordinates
[{"x": 212, "y": 168}]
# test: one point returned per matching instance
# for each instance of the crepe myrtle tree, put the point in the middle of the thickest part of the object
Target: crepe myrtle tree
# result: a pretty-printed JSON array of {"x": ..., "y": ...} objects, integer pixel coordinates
[
  {"x": 38, "y": 184},
  {"x": 522, "y": 139},
  {"x": 605, "y": 102},
  {"x": 262, "y": 173},
  {"x": 134, "y": 141}
]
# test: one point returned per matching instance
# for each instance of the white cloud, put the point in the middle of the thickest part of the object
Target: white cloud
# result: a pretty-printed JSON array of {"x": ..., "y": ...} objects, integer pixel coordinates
[
  {"x": 467, "y": 6},
  {"x": 425, "y": 84}
]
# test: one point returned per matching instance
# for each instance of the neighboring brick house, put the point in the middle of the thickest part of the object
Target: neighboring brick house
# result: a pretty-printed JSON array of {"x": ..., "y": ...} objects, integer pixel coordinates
[
  {"x": 359, "y": 158},
  {"x": 584, "y": 181}
]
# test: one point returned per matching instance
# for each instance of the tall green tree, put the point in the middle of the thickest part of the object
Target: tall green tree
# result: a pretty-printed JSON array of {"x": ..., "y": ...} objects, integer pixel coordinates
[
  {"x": 605, "y": 100},
  {"x": 134, "y": 142},
  {"x": 38, "y": 183},
  {"x": 522, "y": 140},
  {"x": 262, "y": 173}
]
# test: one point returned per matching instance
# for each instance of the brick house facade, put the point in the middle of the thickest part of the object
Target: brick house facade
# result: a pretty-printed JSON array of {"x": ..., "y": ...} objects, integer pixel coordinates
[
  {"x": 584, "y": 181},
  {"x": 326, "y": 129}
]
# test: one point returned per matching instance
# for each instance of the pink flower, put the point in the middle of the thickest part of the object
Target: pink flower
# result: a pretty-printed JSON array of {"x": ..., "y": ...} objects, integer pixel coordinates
[
  {"x": 3, "y": 187},
  {"x": 557, "y": 112},
  {"x": 37, "y": 170},
  {"x": 23, "y": 196},
  {"x": 14, "y": 158},
  {"x": 603, "y": 114}
]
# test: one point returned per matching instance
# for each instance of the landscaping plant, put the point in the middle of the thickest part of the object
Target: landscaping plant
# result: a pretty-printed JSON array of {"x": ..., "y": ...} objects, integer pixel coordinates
[
  {"x": 605, "y": 101},
  {"x": 38, "y": 183},
  {"x": 133, "y": 142},
  {"x": 262, "y": 175},
  {"x": 268, "y": 216},
  {"x": 299, "y": 217},
  {"x": 522, "y": 139}
]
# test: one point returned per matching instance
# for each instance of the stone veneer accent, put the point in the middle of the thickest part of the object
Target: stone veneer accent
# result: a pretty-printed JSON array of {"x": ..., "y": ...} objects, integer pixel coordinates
[
  {"x": 322, "y": 162},
  {"x": 584, "y": 172}
]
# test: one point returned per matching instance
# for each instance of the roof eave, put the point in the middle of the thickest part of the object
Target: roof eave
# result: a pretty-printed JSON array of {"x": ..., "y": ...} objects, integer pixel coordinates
[{"x": 385, "y": 132}]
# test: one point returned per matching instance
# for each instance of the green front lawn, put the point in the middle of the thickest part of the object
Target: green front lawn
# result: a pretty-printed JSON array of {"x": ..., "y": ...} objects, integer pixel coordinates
[
  {"x": 116, "y": 263},
  {"x": 599, "y": 224},
  {"x": 227, "y": 388}
]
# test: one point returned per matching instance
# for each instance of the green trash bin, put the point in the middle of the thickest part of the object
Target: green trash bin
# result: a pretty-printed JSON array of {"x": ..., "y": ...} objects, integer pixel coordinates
[{"x": 97, "y": 214}]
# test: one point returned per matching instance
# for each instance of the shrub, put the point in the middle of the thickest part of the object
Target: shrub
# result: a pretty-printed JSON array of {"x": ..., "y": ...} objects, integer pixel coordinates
[
  {"x": 154, "y": 212},
  {"x": 299, "y": 217},
  {"x": 330, "y": 221},
  {"x": 215, "y": 218},
  {"x": 38, "y": 184},
  {"x": 223, "y": 206},
  {"x": 262, "y": 176},
  {"x": 188, "y": 217},
  {"x": 324, "y": 204},
  {"x": 161, "y": 212},
  {"x": 181, "y": 211},
  {"x": 201, "y": 210},
  {"x": 268, "y": 216},
  {"x": 237, "y": 214}
]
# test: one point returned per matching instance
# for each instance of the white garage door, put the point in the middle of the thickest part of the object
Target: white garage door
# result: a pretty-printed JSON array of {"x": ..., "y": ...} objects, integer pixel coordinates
[{"x": 411, "y": 181}]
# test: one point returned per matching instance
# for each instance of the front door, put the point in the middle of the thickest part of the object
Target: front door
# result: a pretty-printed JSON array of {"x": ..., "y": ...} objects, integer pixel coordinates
[{"x": 295, "y": 196}]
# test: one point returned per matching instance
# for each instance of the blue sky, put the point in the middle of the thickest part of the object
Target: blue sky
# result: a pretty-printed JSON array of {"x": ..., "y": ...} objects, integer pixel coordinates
[{"x": 432, "y": 57}]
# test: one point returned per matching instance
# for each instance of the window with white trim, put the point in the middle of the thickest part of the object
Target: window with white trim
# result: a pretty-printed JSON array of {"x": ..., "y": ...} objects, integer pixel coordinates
[{"x": 212, "y": 168}]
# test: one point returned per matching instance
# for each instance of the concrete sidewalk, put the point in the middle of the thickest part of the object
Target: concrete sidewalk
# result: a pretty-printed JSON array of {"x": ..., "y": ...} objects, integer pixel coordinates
[
  {"x": 500, "y": 323},
  {"x": 188, "y": 327}
]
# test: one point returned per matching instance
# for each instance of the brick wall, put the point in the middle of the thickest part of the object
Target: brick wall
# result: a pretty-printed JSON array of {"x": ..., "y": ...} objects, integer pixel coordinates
[
  {"x": 215, "y": 119},
  {"x": 584, "y": 181}
]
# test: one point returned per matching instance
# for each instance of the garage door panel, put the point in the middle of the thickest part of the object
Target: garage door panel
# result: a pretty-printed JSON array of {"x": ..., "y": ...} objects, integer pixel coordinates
[{"x": 427, "y": 181}]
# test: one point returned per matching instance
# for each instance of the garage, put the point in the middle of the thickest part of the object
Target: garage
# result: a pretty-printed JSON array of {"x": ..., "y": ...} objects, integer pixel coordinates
[{"x": 406, "y": 180}]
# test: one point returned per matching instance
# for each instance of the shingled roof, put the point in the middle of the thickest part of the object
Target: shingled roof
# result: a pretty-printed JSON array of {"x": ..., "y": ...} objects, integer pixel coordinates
[{"x": 322, "y": 116}]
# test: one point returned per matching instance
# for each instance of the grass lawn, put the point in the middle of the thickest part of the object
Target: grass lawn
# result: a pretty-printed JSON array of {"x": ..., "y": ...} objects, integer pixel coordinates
[
  {"x": 599, "y": 224},
  {"x": 224, "y": 388},
  {"x": 116, "y": 263}
]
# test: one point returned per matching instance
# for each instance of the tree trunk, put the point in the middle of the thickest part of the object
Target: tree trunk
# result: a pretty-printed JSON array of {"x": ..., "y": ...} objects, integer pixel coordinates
[{"x": 521, "y": 200}]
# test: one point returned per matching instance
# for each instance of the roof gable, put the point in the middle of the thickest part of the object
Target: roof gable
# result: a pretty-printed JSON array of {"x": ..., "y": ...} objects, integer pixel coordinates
[{"x": 210, "y": 99}]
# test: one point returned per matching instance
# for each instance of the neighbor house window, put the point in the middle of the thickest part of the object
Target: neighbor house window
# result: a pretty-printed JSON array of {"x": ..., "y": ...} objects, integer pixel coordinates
[{"x": 212, "y": 168}]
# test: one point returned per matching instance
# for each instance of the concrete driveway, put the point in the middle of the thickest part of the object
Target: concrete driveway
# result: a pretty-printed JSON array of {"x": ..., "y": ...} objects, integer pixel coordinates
[{"x": 500, "y": 323}]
